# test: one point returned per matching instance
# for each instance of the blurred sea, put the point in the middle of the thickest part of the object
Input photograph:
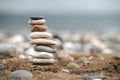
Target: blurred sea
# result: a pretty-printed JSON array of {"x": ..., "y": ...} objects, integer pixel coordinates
[{"x": 62, "y": 22}]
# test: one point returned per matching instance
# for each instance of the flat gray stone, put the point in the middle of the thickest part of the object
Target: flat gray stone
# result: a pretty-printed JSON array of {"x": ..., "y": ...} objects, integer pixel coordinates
[
  {"x": 42, "y": 48},
  {"x": 93, "y": 76},
  {"x": 19, "y": 74}
]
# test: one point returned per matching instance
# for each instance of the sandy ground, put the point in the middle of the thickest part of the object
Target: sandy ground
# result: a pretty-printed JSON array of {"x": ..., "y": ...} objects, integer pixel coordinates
[{"x": 109, "y": 67}]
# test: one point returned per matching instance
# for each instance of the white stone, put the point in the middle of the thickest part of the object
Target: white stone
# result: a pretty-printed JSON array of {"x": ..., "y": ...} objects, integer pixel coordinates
[
  {"x": 16, "y": 39},
  {"x": 68, "y": 45},
  {"x": 43, "y": 55},
  {"x": 22, "y": 56},
  {"x": 43, "y": 41},
  {"x": 65, "y": 70},
  {"x": 35, "y": 35},
  {"x": 42, "y": 61}
]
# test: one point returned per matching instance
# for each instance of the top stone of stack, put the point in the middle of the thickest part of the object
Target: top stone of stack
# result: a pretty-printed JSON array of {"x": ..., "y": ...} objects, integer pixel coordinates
[
  {"x": 36, "y": 18},
  {"x": 38, "y": 24},
  {"x": 37, "y": 21}
]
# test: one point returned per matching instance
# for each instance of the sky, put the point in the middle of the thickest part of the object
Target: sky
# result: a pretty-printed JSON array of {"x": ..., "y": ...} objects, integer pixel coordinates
[{"x": 60, "y": 6}]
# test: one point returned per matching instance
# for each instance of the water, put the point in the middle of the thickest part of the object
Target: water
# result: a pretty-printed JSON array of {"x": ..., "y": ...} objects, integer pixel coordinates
[{"x": 62, "y": 22}]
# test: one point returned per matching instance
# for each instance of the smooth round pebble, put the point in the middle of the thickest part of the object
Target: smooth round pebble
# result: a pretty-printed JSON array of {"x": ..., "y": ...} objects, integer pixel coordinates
[
  {"x": 43, "y": 41},
  {"x": 43, "y": 48},
  {"x": 37, "y": 22},
  {"x": 42, "y": 61},
  {"x": 39, "y": 28},
  {"x": 20, "y": 74},
  {"x": 37, "y": 35},
  {"x": 42, "y": 55},
  {"x": 2, "y": 67}
]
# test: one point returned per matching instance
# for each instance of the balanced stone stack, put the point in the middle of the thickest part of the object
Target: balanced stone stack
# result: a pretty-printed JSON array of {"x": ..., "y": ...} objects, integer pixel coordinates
[{"x": 42, "y": 41}]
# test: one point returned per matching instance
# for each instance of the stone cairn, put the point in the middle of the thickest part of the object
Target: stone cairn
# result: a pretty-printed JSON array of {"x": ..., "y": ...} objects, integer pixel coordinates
[{"x": 42, "y": 41}]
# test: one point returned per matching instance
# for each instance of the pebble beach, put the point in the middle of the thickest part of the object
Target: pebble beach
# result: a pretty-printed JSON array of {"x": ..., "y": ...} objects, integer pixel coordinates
[
  {"x": 59, "y": 40},
  {"x": 80, "y": 55}
]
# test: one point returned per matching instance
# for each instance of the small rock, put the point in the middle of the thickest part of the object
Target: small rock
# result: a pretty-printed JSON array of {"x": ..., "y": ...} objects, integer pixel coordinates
[
  {"x": 6, "y": 49},
  {"x": 68, "y": 45},
  {"x": 37, "y": 18},
  {"x": 38, "y": 22},
  {"x": 73, "y": 66},
  {"x": 16, "y": 39},
  {"x": 19, "y": 74},
  {"x": 35, "y": 35},
  {"x": 42, "y": 55},
  {"x": 65, "y": 71},
  {"x": 43, "y": 41},
  {"x": 22, "y": 56},
  {"x": 36, "y": 54},
  {"x": 41, "y": 28},
  {"x": 93, "y": 77},
  {"x": 65, "y": 57},
  {"x": 42, "y": 61},
  {"x": 59, "y": 41},
  {"x": 2, "y": 67},
  {"x": 43, "y": 48}
]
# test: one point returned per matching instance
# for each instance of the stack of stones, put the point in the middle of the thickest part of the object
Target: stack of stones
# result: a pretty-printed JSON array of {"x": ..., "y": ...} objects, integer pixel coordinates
[{"x": 42, "y": 41}]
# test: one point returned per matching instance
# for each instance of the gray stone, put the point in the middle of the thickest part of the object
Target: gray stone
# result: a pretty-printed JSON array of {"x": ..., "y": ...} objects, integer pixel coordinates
[
  {"x": 43, "y": 48},
  {"x": 2, "y": 67},
  {"x": 19, "y": 74},
  {"x": 6, "y": 49},
  {"x": 93, "y": 77}
]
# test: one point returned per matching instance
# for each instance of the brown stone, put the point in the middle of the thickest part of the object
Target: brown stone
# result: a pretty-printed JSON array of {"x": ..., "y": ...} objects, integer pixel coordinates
[{"x": 40, "y": 28}]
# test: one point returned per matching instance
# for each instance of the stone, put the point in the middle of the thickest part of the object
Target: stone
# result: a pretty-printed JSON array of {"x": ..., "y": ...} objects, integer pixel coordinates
[
  {"x": 68, "y": 45},
  {"x": 42, "y": 55},
  {"x": 6, "y": 49},
  {"x": 43, "y": 48},
  {"x": 37, "y": 22},
  {"x": 73, "y": 66},
  {"x": 65, "y": 57},
  {"x": 36, "y": 35},
  {"x": 43, "y": 41},
  {"x": 65, "y": 70},
  {"x": 39, "y": 28},
  {"x": 59, "y": 41},
  {"x": 42, "y": 61},
  {"x": 17, "y": 38},
  {"x": 93, "y": 77},
  {"x": 2, "y": 67},
  {"x": 19, "y": 74},
  {"x": 36, "y": 18},
  {"x": 22, "y": 56}
]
